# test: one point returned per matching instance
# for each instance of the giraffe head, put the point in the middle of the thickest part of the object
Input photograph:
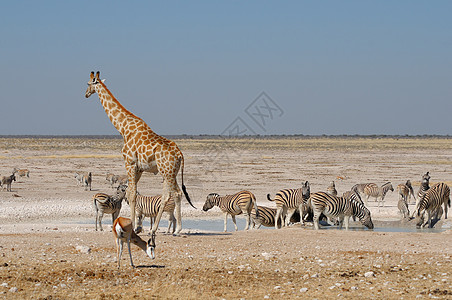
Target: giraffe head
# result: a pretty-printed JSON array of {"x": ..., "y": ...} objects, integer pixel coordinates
[{"x": 93, "y": 81}]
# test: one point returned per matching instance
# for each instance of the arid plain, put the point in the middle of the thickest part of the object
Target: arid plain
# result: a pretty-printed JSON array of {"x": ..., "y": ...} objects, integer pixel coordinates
[{"x": 47, "y": 223}]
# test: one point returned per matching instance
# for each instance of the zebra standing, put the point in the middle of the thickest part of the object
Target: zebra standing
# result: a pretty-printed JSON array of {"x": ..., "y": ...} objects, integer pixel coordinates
[
  {"x": 86, "y": 180},
  {"x": 106, "y": 204},
  {"x": 332, "y": 189},
  {"x": 7, "y": 181},
  {"x": 241, "y": 202},
  {"x": 266, "y": 217},
  {"x": 148, "y": 206},
  {"x": 359, "y": 188},
  {"x": 289, "y": 200},
  {"x": 425, "y": 186},
  {"x": 353, "y": 195},
  {"x": 431, "y": 203},
  {"x": 406, "y": 191},
  {"x": 372, "y": 190}
]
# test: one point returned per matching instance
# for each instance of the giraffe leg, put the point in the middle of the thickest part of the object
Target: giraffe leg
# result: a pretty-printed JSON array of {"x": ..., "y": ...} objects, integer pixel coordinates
[{"x": 131, "y": 193}]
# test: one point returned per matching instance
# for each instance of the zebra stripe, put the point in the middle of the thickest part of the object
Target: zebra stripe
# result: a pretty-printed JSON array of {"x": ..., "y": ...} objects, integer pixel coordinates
[
  {"x": 266, "y": 217},
  {"x": 359, "y": 188},
  {"x": 332, "y": 207},
  {"x": 425, "y": 186},
  {"x": 360, "y": 211},
  {"x": 431, "y": 203},
  {"x": 241, "y": 202},
  {"x": 288, "y": 201},
  {"x": 405, "y": 191},
  {"x": 148, "y": 206},
  {"x": 106, "y": 204},
  {"x": 372, "y": 190}
]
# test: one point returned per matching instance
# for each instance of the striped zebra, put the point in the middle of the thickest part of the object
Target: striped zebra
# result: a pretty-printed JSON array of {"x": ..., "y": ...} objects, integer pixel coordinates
[
  {"x": 405, "y": 191},
  {"x": 402, "y": 205},
  {"x": 425, "y": 186},
  {"x": 332, "y": 189},
  {"x": 372, "y": 190},
  {"x": 241, "y": 202},
  {"x": 86, "y": 180},
  {"x": 266, "y": 217},
  {"x": 288, "y": 201},
  {"x": 431, "y": 203},
  {"x": 106, "y": 204},
  {"x": 359, "y": 188},
  {"x": 352, "y": 195},
  {"x": 339, "y": 208},
  {"x": 148, "y": 206},
  {"x": 7, "y": 181}
]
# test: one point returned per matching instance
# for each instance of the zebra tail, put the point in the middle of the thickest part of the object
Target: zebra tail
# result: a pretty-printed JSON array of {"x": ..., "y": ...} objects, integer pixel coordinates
[
  {"x": 270, "y": 199},
  {"x": 184, "y": 189}
]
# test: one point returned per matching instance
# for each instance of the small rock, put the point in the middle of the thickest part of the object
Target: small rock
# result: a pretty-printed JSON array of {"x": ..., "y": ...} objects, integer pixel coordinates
[
  {"x": 4, "y": 284},
  {"x": 303, "y": 290},
  {"x": 83, "y": 249},
  {"x": 354, "y": 288},
  {"x": 267, "y": 256},
  {"x": 13, "y": 290},
  {"x": 277, "y": 287},
  {"x": 369, "y": 274}
]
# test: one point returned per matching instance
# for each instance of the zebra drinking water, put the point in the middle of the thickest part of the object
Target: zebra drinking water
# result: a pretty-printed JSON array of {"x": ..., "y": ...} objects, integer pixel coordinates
[{"x": 431, "y": 203}]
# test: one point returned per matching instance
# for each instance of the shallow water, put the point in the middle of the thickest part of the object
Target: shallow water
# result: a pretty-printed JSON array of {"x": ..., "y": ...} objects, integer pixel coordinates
[{"x": 217, "y": 225}]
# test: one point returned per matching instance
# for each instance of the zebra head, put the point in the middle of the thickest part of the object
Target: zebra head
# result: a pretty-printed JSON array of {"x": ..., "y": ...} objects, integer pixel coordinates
[
  {"x": 210, "y": 201},
  {"x": 420, "y": 215},
  {"x": 121, "y": 192},
  {"x": 306, "y": 190},
  {"x": 150, "y": 248},
  {"x": 93, "y": 81},
  {"x": 366, "y": 220}
]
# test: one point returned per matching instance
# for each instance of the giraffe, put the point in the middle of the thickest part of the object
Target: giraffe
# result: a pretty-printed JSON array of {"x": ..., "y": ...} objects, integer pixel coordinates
[{"x": 143, "y": 151}]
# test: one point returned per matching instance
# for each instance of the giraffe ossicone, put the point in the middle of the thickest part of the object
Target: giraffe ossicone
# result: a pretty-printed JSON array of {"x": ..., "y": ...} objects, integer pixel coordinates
[{"x": 143, "y": 151}]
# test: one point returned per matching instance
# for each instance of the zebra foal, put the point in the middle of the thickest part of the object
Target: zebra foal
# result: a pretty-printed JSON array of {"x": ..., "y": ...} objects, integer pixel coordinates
[
  {"x": 106, "y": 204},
  {"x": 148, "y": 206},
  {"x": 431, "y": 203},
  {"x": 288, "y": 201},
  {"x": 241, "y": 202}
]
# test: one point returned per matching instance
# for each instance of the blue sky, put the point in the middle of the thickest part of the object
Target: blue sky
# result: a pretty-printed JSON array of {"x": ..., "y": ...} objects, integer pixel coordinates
[{"x": 193, "y": 67}]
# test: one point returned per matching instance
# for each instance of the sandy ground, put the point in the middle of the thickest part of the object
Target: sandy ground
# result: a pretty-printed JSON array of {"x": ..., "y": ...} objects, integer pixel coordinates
[{"x": 47, "y": 216}]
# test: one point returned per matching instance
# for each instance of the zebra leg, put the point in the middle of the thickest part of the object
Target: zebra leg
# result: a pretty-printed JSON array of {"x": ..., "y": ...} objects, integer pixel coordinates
[
  {"x": 445, "y": 210},
  {"x": 278, "y": 215},
  {"x": 289, "y": 214},
  {"x": 97, "y": 214},
  {"x": 300, "y": 209},
  {"x": 347, "y": 222},
  {"x": 172, "y": 220},
  {"x": 167, "y": 193},
  {"x": 101, "y": 215},
  {"x": 248, "y": 221},
  {"x": 235, "y": 223},
  {"x": 316, "y": 219},
  {"x": 225, "y": 221}
]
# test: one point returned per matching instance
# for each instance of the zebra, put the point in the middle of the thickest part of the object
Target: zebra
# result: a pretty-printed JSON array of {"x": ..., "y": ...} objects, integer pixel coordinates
[
  {"x": 406, "y": 191},
  {"x": 86, "y": 180},
  {"x": 339, "y": 208},
  {"x": 402, "y": 205},
  {"x": 7, "y": 181},
  {"x": 289, "y": 200},
  {"x": 359, "y": 188},
  {"x": 21, "y": 172},
  {"x": 112, "y": 179},
  {"x": 148, "y": 206},
  {"x": 431, "y": 203},
  {"x": 332, "y": 189},
  {"x": 266, "y": 217},
  {"x": 425, "y": 186},
  {"x": 106, "y": 204},
  {"x": 352, "y": 195},
  {"x": 79, "y": 178},
  {"x": 372, "y": 190},
  {"x": 241, "y": 202}
]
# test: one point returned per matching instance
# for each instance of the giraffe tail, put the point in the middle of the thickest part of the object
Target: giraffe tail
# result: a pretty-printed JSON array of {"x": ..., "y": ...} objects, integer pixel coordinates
[{"x": 184, "y": 189}]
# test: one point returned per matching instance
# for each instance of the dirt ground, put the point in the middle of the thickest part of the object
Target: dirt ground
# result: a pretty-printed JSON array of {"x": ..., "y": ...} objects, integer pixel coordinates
[{"x": 49, "y": 249}]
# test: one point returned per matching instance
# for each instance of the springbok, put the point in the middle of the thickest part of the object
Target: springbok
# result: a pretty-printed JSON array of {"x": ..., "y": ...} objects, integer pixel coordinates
[{"x": 123, "y": 232}]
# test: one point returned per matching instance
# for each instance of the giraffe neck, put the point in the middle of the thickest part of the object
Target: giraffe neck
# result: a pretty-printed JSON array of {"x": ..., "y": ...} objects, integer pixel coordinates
[{"x": 119, "y": 116}]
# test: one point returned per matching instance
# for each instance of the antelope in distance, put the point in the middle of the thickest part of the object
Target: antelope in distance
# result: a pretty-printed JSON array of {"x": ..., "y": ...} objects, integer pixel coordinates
[{"x": 123, "y": 232}]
